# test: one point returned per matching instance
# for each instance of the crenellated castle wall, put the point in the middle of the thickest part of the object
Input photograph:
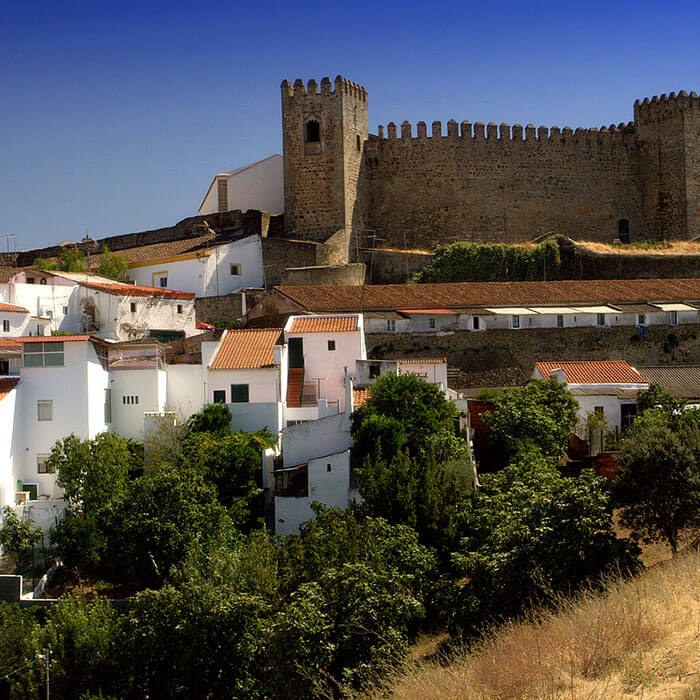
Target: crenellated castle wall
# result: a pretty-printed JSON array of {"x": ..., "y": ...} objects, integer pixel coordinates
[
  {"x": 412, "y": 187},
  {"x": 488, "y": 182}
]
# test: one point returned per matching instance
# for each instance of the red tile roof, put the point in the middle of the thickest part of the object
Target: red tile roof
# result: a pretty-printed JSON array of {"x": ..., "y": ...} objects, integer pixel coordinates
[
  {"x": 7, "y": 384},
  {"x": 458, "y": 295},
  {"x": 11, "y": 308},
  {"x": 10, "y": 343},
  {"x": 137, "y": 290},
  {"x": 247, "y": 349},
  {"x": 594, "y": 372},
  {"x": 360, "y": 396},
  {"x": 324, "y": 324},
  {"x": 422, "y": 360},
  {"x": 55, "y": 338}
]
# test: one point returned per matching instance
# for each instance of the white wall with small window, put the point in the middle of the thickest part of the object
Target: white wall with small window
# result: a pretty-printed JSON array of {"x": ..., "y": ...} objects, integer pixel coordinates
[
  {"x": 16, "y": 323},
  {"x": 135, "y": 392},
  {"x": 63, "y": 391},
  {"x": 10, "y": 443},
  {"x": 215, "y": 271},
  {"x": 49, "y": 297}
]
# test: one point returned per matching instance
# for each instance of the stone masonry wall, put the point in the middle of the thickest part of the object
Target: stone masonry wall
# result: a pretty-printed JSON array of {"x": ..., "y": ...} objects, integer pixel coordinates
[{"x": 501, "y": 183}]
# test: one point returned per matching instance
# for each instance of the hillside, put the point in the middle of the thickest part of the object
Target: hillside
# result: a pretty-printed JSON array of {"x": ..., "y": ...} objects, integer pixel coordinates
[{"x": 639, "y": 640}]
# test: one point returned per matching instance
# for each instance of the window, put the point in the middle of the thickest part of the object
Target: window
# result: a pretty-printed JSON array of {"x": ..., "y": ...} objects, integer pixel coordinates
[
  {"x": 159, "y": 279},
  {"x": 239, "y": 393},
  {"x": 599, "y": 411},
  {"x": 108, "y": 405},
  {"x": 475, "y": 323},
  {"x": 623, "y": 230},
  {"x": 375, "y": 370},
  {"x": 515, "y": 322},
  {"x": 130, "y": 400},
  {"x": 329, "y": 468},
  {"x": 313, "y": 131},
  {"x": 163, "y": 281},
  {"x": 235, "y": 268},
  {"x": 673, "y": 318},
  {"x": 30, "y": 280},
  {"x": 65, "y": 311},
  {"x": 43, "y": 354},
  {"x": 359, "y": 143},
  {"x": 179, "y": 308},
  {"x": 220, "y": 396},
  {"x": 431, "y": 323},
  {"x": 331, "y": 345},
  {"x": 44, "y": 410},
  {"x": 641, "y": 319},
  {"x": 42, "y": 280},
  {"x": 560, "y": 320},
  {"x": 41, "y": 466},
  {"x": 132, "y": 306},
  {"x": 600, "y": 320},
  {"x": 5, "y": 326},
  {"x": 391, "y": 325}
]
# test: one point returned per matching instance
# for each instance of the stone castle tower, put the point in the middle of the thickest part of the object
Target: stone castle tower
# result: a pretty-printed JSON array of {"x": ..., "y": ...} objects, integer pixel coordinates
[
  {"x": 415, "y": 188},
  {"x": 324, "y": 133}
]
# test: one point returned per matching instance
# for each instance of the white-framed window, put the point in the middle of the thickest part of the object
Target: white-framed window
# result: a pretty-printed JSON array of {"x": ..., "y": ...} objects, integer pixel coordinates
[
  {"x": 515, "y": 321},
  {"x": 475, "y": 323},
  {"x": 43, "y": 354},
  {"x": 560, "y": 320},
  {"x": 5, "y": 326},
  {"x": 44, "y": 410},
  {"x": 41, "y": 466},
  {"x": 600, "y": 319},
  {"x": 331, "y": 345},
  {"x": 219, "y": 396},
  {"x": 130, "y": 400},
  {"x": 160, "y": 279},
  {"x": 391, "y": 324},
  {"x": 431, "y": 323},
  {"x": 132, "y": 307},
  {"x": 673, "y": 318},
  {"x": 641, "y": 319},
  {"x": 236, "y": 269}
]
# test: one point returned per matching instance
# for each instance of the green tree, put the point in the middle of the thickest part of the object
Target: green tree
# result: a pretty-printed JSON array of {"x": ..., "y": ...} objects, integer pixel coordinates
[
  {"x": 419, "y": 409},
  {"x": 656, "y": 397},
  {"x": 530, "y": 534},
  {"x": 17, "y": 536},
  {"x": 542, "y": 414},
  {"x": 19, "y": 645},
  {"x": 112, "y": 265},
  {"x": 658, "y": 485},
  {"x": 213, "y": 418}
]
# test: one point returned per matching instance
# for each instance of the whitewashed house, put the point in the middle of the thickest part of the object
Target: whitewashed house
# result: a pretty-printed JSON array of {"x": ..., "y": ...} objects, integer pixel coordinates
[
  {"x": 10, "y": 443},
  {"x": 606, "y": 389},
  {"x": 258, "y": 185}
]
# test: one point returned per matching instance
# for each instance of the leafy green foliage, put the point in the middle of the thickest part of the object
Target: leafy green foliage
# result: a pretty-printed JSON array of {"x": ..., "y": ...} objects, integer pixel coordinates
[
  {"x": 17, "y": 536},
  {"x": 71, "y": 259},
  {"x": 658, "y": 485},
  {"x": 19, "y": 645},
  {"x": 213, "y": 418},
  {"x": 491, "y": 262},
  {"x": 531, "y": 534},
  {"x": 540, "y": 414},
  {"x": 113, "y": 265},
  {"x": 656, "y": 397}
]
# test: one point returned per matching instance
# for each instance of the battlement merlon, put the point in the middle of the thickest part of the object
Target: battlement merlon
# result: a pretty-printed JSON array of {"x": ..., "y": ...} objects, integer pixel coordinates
[
  {"x": 311, "y": 88},
  {"x": 664, "y": 106},
  {"x": 491, "y": 132}
]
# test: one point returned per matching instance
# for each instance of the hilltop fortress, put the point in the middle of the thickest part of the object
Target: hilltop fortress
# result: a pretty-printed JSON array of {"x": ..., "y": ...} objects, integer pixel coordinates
[{"x": 413, "y": 187}]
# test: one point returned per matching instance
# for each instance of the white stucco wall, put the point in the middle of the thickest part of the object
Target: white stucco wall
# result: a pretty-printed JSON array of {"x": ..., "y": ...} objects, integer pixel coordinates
[
  {"x": 58, "y": 298},
  {"x": 258, "y": 186},
  {"x": 20, "y": 324},
  {"x": 306, "y": 441},
  {"x": 150, "y": 388},
  {"x": 329, "y": 483},
  {"x": 9, "y": 444},
  {"x": 186, "y": 386},
  {"x": 210, "y": 274},
  {"x": 263, "y": 383},
  {"x": 433, "y": 373}
]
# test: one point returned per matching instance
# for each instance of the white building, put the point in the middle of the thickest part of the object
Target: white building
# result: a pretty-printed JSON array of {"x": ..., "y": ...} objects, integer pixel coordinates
[
  {"x": 606, "y": 389},
  {"x": 216, "y": 270},
  {"x": 9, "y": 439},
  {"x": 259, "y": 185}
]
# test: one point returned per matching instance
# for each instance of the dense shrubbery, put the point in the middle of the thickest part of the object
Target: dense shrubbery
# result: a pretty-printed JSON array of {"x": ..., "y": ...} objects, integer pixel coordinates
[
  {"x": 235, "y": 612},
  {"x": 492, "y": 262}
]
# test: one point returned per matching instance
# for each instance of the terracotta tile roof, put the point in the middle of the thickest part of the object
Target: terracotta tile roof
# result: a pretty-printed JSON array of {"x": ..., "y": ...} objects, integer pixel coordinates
[
  {"x": 360, "y": 396},
  {"x": 7, "y": 384},
  {"x": 681, "y": 381},
  {"x": 421, "y": 360},
  {"x": 594, "y": 372},
  {"x": 9, "y": 344},
  {"x": 11, "y": 308},
  {"x": 55, "y": 338},
  {"x": 324, "y": 324},
  {"x": 469, "y": 294},
  {"x": 137, "y": 290},
  {"x": 247, "y": 349}
]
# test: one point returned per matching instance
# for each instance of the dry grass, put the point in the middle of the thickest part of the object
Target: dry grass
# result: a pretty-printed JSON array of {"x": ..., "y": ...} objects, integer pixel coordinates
[
  {"x": 665, "y": 248},
  {"x": 642, "y": 639}
]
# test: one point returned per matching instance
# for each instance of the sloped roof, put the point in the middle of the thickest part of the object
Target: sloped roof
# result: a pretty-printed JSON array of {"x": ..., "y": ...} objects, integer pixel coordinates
[
  {"x": 7, "y": 384},
  {"x": 138, "y": 290},
  {"x": 360, "y": 396},
  {"x": 11, "y": 308},
  {"x": 55, "y": 338},
  {"x": 457, "y": 295},
  {"x": 324, "y": 324},
  {"x": 250, "y": 348},
  {"x": 594, "y": 372},
  {"x": 421, "y": 360},
  {"x": 679, "y": 380}
]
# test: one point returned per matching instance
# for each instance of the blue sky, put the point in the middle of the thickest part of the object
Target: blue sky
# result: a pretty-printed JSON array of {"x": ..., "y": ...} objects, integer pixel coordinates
[{"x": 115, "y": 117}]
